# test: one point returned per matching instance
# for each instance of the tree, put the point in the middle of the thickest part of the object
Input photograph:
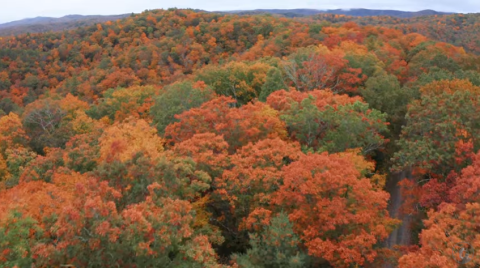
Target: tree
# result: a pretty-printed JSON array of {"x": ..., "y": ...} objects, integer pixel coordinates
[
  {"x": 199, "y": 120},
  {"x": 304, "y": 122},
  {"x": 4, "y": 173},
  {"x": 74, "y": 221},
  {"x": 4, "y": 81},
  {"x": 354, "y": 126},
  {"x": 448, "y": 240},
  {"x": 123, "y": 140},
  {"x": 282, "y": 100},
  {"x": 255, "y": 174},
  {"x": 466, "y": 187},
  {"x": 121, "y": 103},
  {"x": 429, "y": 55},
  {"x": 310, "y": 69},
  {"x": 383, "y": 92},
  {"x": 178, "y": 176},
  {"x": 176, "y": 99},
  {"x": 241, "y": 81},
  {"x": 7, "y": 106},
  {"x": 48, "y": 121},
  {"x": 119, "y": 78},
  {"x": 238, "y": 126},
  {"x": 313, "y": 68},
  {"x": 12, "y": 133},
  {"x": 209, "y": 151},
  {"x": 325, "y": 124},
  {"x": 82, "y": 151},
  {"x": 16, "y": 244},
  {"x": 16, "y": 160},
  {"x": 35, "y": 205},
  {"x": 275, "y": 245},
  {"x": 359, "y": 58},
  {"x": 451, "y": 231},
  {"x": 43, "y": 167},
  {"x": 446, "y": 114},
  {"x": 273, "y": 82},
  {"x": 338, "y": 213}
]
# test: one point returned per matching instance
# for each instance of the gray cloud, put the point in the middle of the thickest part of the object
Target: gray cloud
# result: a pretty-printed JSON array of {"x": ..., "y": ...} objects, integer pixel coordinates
[{"x": 19, "y": 9}]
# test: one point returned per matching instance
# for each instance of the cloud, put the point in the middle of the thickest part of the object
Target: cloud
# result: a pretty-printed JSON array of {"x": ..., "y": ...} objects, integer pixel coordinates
[{"x": 20, "y": 9}]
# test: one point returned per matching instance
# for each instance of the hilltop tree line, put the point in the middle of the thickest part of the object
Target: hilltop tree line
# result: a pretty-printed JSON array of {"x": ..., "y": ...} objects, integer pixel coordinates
[{"x": 458, "y": 29}]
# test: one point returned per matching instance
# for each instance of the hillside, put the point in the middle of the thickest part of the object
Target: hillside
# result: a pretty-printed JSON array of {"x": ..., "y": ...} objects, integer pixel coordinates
[
  {"x": 458, "y": 29},
  {"x": 179, "y": 138},
  {"x": 46, "y": 24},
  {"x": 357, "y": 12}
]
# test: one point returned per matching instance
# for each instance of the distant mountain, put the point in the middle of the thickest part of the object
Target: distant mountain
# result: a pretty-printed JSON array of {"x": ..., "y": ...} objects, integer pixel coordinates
[
  {"x": 25, "y": 22},
  {"x": 46, "y": 24},
  {"x": 358, "y": 12}
]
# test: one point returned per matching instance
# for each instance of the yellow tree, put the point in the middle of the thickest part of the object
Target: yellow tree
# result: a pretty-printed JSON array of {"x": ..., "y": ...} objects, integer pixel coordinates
[{"x": 122, "y": 141}]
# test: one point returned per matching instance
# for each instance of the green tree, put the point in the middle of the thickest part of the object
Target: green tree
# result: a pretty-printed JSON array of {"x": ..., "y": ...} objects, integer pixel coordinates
[
  {"x": 275, "y": 245},
  {"x": 7, "y": 106},
  {"x": 4, "y": 81},
  {"x": 273, "y": 82},
  {"x": 353, "y": 126},
  {"x": 383, "y": 92},
  {"x": 178, "y": 98},
  {"x": 239, "y": 80},
  {"x": 336, "y": 129},
  {"x": 447, "y": 113},
  {"x": 18, "y": 235},
  {"x": 304, "y": 122},
  {"x": 369, "y": 63}
]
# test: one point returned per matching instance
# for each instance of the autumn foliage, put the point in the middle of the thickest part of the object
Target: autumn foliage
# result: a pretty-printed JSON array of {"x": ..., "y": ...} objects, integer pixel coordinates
[{"x": 177, "y": 138}]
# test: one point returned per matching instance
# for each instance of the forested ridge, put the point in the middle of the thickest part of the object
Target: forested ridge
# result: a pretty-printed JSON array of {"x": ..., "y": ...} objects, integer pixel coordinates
[
  {"x": 47, "y": 24},
  {"x": 176, "y": 138},
  {"x": 457, "y": 29}
]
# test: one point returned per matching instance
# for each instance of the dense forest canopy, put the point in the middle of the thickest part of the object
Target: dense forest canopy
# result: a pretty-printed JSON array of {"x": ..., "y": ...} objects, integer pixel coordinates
[
  {"x": 176, "y": 138},
  {"x": 457, "y": 29}
]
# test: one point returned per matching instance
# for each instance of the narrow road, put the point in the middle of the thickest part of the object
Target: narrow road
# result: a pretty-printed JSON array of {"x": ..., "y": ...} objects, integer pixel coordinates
[{"x": 401, "y": 235}]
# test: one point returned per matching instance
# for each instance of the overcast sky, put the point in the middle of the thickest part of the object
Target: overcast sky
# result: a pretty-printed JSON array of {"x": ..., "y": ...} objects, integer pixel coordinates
[{"x": 19, "y": 9}]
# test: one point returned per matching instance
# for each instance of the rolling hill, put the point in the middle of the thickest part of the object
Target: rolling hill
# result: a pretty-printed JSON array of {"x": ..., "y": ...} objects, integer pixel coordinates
[
  {"x": 46, "y": 24},
  {"x": 357, "y": 12}
]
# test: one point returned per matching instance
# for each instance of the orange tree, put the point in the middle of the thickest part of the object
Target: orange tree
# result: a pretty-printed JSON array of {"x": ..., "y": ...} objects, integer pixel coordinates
[{"x": 337, "y": 212}]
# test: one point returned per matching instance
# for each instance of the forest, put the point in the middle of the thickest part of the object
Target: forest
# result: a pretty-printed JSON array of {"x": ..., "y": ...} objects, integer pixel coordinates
[
  {"x": 47, "y": 24},
  {"x": 179, "y": 138}
]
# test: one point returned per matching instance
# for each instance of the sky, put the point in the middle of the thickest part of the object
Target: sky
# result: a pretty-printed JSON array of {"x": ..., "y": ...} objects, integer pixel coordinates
[{"x": 19, "y": 9}]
